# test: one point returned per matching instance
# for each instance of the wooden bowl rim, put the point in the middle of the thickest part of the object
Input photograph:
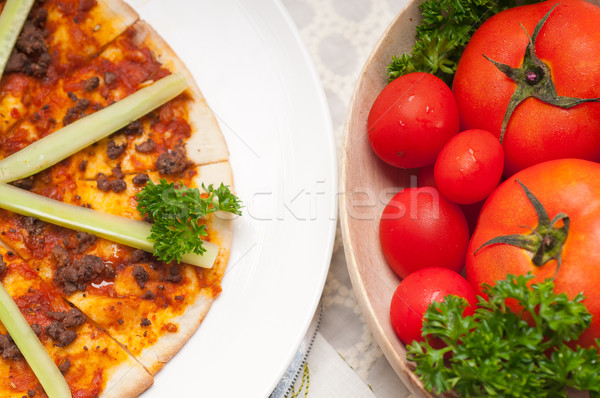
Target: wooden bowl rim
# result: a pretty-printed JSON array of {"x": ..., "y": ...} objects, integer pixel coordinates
[{"x": 396, "y": 359}]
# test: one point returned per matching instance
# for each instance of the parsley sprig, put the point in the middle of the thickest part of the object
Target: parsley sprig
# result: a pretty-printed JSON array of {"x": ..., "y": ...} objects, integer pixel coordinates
[
  {"x": 445, "y": 30},
  {"x": 496, "y": 352},
  {"x": 176, "y": 210}
]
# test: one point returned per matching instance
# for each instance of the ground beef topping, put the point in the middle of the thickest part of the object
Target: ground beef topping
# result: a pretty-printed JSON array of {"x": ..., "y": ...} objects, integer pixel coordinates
[
  {"x": 8, "y": 348},
  {"x": 77, "y": 111},
  {"x": 141, "y": 275},
  {"x": 117, "y": 172},
  {"x": 138, "y": 256},
  {"x": 2, "y": 265},
  {"x": 109, "y": 78},
  {"x": 91, "y": 84},
  {"x": 102, "y": 182},
  {"x": 113, "y": 150},
  {"x": 24, "y": 183},
  {"x": 174, "y": 275},
  {"x": 145, "y": 322},
  {"x": 30, "y": 54},
  {"x": 61, "y": 256},
  {"x": 37, "y": 329},
  {"x": 173, "y": 162},
  {"x": 73, "y": 277},
  {"x": 33, "y": 226},
  {"x": 73, "y": 319},
  {"x": 79, "y": 242},
  {"x": 133, "y": 128},
  {"x": 146, "y": 147},
  {"x": 118, "y": 185},
  {"x": 141, "y": 179},
  {"x": 57, "y": 332},
  {"x": 65, "y": 366}
]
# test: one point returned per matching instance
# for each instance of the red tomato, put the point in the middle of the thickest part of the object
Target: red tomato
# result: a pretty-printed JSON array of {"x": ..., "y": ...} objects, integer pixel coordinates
[
  {"x": 569, "y": 45},
  {"x": 419, "y": 228},
  {"x": 567, "y": 186},
  {"x": 469, "y": 166},
  {"x": 411, "y": 119},
  {"x": 414, "y": 294}
]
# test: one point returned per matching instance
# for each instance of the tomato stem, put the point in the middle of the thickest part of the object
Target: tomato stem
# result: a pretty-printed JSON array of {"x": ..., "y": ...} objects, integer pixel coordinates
[
  {"x": 534, "y": 79},
  {"x": 545, "y": 242}
]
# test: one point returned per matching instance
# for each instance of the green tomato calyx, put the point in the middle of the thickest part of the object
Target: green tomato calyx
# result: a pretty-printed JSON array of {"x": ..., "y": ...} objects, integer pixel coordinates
[
  {"x": 545, "y": 242},
  {"x": 533, "y": 79}
]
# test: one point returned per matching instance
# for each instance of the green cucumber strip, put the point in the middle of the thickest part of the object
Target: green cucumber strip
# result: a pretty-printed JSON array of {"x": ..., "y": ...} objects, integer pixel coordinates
[
  {"x": 34, "y": 352},
  {"x": 90, "y": 129},
  {"x": 12, "y": 19},
  {"x": 123, "y": 230}
]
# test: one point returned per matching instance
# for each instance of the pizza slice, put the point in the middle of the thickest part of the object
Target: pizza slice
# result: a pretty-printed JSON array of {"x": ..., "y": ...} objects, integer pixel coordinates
[
  {"x": 57, "y": 38},
  {"x": 184, "y": 131},
  {"x": 150, "y": 307},
  {"x": 118, "y": 71},
  {"x": 91, "y": 361}
]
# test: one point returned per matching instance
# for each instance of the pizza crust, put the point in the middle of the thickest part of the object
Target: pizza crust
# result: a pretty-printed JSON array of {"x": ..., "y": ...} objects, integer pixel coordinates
[
  {"x": 119, "y": 13},
  {"x": 128, "y": 380},
  {"x": 155, "y": 357},
  {"x": 206, "y": 144}
]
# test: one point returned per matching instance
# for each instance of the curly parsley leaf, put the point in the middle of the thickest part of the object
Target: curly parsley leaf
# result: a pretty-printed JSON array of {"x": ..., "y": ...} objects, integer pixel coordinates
[
  {"x": 176, "y": 210},
  {"x": 497, "y": 352},
  {"x": 442, "y": 35}
]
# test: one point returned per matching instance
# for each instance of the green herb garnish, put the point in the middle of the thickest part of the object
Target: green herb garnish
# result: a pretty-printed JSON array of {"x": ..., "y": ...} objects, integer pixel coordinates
[
  {"x": 497, "y": 353},
  {"x": 175, "y": 211},
  {"x": 119, "y": 229},
  {"x": 445, "y": 30}
]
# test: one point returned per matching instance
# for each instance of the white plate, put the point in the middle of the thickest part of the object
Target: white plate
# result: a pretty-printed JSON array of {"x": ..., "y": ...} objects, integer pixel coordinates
[{"x": 253, "y": 70}]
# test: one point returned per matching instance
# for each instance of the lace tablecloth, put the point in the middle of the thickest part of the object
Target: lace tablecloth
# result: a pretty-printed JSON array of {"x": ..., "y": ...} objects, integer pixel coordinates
[{"x": 340, "y": 35}]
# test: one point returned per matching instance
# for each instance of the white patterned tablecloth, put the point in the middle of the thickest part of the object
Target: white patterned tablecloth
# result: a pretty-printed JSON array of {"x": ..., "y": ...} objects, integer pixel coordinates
[{"x": 340, "y": 35}]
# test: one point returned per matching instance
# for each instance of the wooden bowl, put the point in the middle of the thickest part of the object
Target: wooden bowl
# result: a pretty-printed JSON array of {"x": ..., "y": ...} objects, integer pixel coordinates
[{"x": 367, "y": 184}]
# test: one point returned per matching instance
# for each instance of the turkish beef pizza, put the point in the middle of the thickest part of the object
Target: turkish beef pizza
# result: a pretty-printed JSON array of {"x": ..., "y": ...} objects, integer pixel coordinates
[{"x": 110, "y": 316}]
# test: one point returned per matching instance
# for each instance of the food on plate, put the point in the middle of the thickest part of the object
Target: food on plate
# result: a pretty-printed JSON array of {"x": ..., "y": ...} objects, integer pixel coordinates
[
  {"x": 91, "y": 361},
  {"x": 469, "y": 166},
  {"x": 530, "y": 76},
  {"x": 496, "y": 352},
  {"x": 544, "y": 220},
  {"x": 411, "y": 120},
  {"x": 109, "y": 315},
  {"x": 417, "y": 291},
  {"x": 420, "y": 228}
]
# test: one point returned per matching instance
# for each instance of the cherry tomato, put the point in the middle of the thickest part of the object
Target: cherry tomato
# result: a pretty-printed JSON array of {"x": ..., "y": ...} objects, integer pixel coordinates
[
  {"x": 414, "y": 294},
  {"x": 469, "y": 166},
  {"x": 420, "y": 228},
  {"x": 411, "y": 120}
]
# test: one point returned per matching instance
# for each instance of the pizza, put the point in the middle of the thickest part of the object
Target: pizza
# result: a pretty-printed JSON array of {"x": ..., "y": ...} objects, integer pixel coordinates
[{"x": 110, "y": 316}]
